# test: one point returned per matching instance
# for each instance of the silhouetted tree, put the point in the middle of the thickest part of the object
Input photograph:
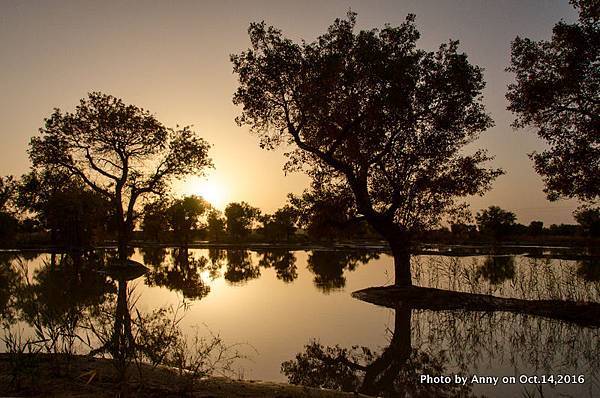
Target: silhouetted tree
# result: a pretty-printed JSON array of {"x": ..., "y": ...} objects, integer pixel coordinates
[
  {"x": 75, "y": 215},
  {"x": 120, "y": 151},
  {"x": 495, "y": 221},
  {"x": 7, "y": 191},
  {"x": 240, "y": 218},
  {"x": 369, "y": 112},
  {"x": 393, "y": 372},
  {"x": 589, "y": 219},
  {"x": 155, "y": 222},
  {"x": 183, "y": 274},
  {"x": 215, "y": 225},
  {"x": 326, "y": 211},
  {"x": 281, "y": 225},
  {"x": 8, "y": 221},
  {"x": 153, "y": 255},
  {"x": 184, "y": 215},
  {"x": 10, "y": 284},
  {"x": 536, "y": 228},
  {"x": 557, "y": 91}
]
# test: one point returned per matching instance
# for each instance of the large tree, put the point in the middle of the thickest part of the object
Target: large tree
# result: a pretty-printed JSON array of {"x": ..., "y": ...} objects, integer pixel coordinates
[
  {"x": 557, "y": 93},
  {"x": 374, "y": 115},
  {"x": 120, "y": 151},
  {"x": 74, "y": 214},
  {"x": 8, "y": 221},
  {"x": 240, "y": 219}
]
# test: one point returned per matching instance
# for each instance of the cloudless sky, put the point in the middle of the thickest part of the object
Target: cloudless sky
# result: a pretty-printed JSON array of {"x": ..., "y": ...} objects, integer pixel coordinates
[{"x": 172, "y": 58}]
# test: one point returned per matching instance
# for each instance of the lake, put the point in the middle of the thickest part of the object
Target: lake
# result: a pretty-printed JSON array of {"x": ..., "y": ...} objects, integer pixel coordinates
[{"x": 278, "y": 304}]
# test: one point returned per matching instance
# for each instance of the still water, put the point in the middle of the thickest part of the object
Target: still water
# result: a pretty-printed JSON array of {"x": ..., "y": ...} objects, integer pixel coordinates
[{"x": 295, "y": 307}]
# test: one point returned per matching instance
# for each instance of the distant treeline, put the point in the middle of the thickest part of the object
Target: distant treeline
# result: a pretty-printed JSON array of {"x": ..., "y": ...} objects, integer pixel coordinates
[{"x": 68, "y": 214}]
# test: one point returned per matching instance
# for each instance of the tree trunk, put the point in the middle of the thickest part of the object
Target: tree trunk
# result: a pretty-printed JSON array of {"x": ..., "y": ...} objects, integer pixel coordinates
[
  {"x": 401, "y": 253},
  {"x": 399, "y": 241},
  {"x": 122, "y": 240}
]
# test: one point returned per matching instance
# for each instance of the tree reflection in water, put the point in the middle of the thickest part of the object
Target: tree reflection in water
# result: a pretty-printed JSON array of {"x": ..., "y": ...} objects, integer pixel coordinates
[
  {"x": 183, "y": 273},
  {"x": 56, "y": 296},
  {"x": 329, "y": 266},
  {"x": 240, "y": 267},
  {"x": 589, "y": 269},
  {"x": 392, "y": 372},
  {"x": 451, "y": 342},
  {"x": 497, "y": 269},
  {"x": 283, "y": 261}
]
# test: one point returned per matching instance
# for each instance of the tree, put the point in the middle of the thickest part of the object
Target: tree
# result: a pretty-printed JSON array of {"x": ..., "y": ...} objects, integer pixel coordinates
[
  {"x": 183, "y": 216},
  {"x": 75, "y": 215},
  {"x": 215, "y": 225},
  {"x": 281, "y": 225},
  {"x": 240, "y": 218},
  {"x": 8, "y": 222},
  {"x": 557, "y": 92},
  {"x": 589, "y": 219},
  {"x": 120, "y": 151},
  {"x": 7, "y": 192},
  {"x": 154, "y": 220},
  {"x": 495, "y": 221},
  {"x": 326, "y": 211},
  {"x": 369, "y": 112}
]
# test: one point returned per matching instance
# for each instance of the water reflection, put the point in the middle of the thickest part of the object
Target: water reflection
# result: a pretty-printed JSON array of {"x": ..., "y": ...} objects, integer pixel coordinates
[
  {"x": 329, "y": 266},
  {"x": 53, "y": 290},
  {"x": 497, "y": 269},
  {"x": 447, "y": 343},
  {"x": 589, "y": 269},
  {"x": 182, "y": 273},
  {"x": 283, "y": 261},
  {"x": 393, "y": 371},
  {"x": 240, "y": 267}
]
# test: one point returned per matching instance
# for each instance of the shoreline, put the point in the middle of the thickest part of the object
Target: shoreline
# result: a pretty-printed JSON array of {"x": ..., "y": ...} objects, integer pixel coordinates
[{"x": 83, "y": 376}]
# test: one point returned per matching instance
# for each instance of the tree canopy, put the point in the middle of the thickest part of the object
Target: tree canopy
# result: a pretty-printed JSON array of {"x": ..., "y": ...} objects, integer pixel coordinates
[
  {"x": 495, "y": 221},
  {"x": 557, "y": 92},
  {"x": 120, "y": 151},
  {"x": 371, "y": 113},
  {"x": 239, "y": 219}
]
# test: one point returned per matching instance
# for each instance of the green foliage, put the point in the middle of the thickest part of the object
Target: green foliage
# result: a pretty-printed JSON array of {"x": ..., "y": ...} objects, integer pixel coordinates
[
  {"x": 557, "y": 92},
  {"x": 240, "y": 219}
]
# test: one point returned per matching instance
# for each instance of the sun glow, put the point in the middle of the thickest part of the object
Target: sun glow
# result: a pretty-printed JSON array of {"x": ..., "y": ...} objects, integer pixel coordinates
[{"x": 209, "y": 189}]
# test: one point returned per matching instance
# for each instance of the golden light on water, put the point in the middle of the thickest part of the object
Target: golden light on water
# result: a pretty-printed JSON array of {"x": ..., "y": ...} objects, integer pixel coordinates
[{"x": 209, "y": 188}]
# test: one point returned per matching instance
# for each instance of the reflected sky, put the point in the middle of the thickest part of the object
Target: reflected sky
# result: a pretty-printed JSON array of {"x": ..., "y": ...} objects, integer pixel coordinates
[{"x": 279, "y": 301}]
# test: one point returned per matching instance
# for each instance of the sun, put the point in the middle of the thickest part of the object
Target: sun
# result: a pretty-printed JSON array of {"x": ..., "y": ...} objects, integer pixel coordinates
[{"x": 210, "y": 189}]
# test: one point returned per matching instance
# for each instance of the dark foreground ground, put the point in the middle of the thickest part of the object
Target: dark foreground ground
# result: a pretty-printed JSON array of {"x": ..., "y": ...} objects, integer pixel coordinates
[{"x": 44, "y": 376}]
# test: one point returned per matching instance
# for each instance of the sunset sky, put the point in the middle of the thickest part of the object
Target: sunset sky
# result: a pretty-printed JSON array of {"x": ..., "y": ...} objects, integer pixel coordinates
[{"x": 172, "y": 58}]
